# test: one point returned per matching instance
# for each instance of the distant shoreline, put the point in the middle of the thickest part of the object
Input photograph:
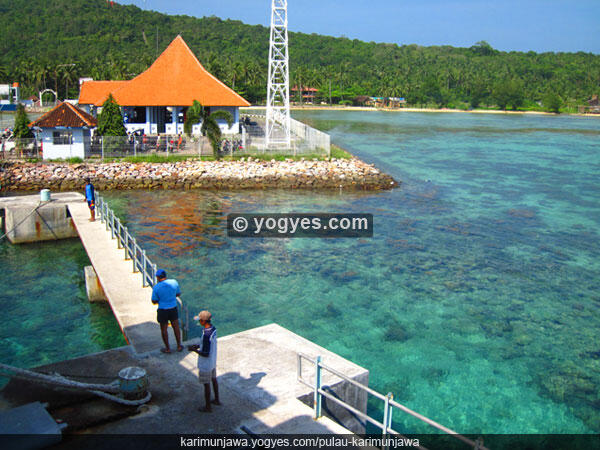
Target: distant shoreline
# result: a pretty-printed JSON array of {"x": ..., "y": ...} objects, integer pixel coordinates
[{"x": 430, "y": 110}]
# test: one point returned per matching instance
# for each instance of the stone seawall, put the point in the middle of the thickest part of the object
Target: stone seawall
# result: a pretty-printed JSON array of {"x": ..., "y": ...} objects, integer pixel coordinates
[{"x": 249, "y": 174}]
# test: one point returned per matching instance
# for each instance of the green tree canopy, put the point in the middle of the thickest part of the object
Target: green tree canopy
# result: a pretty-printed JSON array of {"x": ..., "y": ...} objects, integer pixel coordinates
[
  {"x": 115, "y": 43},
  {"x": 483, "y": 48},
  {"x": 21, "y": 129},
  {"x": 552, "y": 102},
  {"x": 110, "y": 120},
  {"x": 508, "y": 92}
]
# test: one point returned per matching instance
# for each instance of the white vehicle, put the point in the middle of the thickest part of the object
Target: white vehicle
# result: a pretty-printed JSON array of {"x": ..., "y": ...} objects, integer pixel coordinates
[{"x": 7, "y": 145}]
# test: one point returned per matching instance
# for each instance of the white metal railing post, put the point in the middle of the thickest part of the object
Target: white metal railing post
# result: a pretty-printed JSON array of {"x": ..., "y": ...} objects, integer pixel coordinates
[
  {"x": 185, "y": 319},
  {"x": 118, "y": 233},
  {"x": 112, "y": 224},
  {"x": 153, "y": 274},
  {"x": 126, "y": 243},
  {"x": 387, "y": 414},
  {"x": 143, "y": 271},
  {"x": 318, "y": 382},
  {"x": 134, "y": 254}
]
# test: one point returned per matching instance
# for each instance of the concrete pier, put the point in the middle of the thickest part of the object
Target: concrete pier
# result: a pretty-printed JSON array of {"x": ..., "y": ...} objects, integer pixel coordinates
[
  {"x": 129, "y": 301},
  {"x": 27, "y": 219},
  {"x": 256, "y": 371},
  {"x": 93, "y": 288},
  {"x": 67, "y": 215}
]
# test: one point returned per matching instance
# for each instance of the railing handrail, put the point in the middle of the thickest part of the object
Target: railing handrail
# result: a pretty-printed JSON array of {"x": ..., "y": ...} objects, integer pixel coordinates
[
  {"x": 133, "y": 250},
  {"x": 389, "y": 402}
]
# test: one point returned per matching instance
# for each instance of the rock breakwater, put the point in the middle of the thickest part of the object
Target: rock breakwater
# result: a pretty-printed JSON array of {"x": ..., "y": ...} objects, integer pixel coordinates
[{"x": 231, "y": 175}]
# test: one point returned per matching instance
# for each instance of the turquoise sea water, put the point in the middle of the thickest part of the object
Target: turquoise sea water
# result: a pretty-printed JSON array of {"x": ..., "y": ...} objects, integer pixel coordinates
[
  {"x": 476, "y": 302},
  {"x": 47, "y": 315}
]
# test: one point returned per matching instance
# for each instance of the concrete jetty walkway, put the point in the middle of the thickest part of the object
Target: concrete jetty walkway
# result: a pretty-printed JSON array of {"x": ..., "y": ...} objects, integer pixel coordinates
[
  {"x": 129, "y": 301},
  {"x": 256, "y": 370}
]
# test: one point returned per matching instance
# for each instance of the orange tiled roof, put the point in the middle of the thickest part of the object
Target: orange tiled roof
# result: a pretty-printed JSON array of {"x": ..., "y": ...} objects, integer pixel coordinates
[
  {"x": 96, "y": 92},
  {"x": 65, "y": 115},
  {"x": 175, "y": 79}
]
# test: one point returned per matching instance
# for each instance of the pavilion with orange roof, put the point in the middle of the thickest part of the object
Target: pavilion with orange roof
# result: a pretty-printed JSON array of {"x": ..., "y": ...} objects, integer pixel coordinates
[{"x": 156, "y": 101}]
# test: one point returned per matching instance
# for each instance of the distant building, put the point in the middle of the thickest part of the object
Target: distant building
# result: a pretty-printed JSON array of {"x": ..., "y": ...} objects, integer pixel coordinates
[
  {"x": 592, "y": 107},
  {"x": 396, "y": 102},
  {"x": 9, "y": 96},
  {"x": 377, "y": 102},
  {"x": 65, "y": 132},
  {"x": 386, "y": 102},
  {"x": 308, "y": 94},
  {"x": 594, "y": 104},
  {"x": 157, "y": 100}
]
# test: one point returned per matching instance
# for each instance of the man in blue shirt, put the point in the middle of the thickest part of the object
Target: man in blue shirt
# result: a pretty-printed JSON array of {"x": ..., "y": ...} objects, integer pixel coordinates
[
  {"x": 90, "y": 197},
  {"x": 165, "y": 293}
]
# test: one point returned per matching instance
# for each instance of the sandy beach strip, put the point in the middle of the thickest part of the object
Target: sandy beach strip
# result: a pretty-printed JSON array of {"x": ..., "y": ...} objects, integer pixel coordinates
[{"x": 424, "y": 110}]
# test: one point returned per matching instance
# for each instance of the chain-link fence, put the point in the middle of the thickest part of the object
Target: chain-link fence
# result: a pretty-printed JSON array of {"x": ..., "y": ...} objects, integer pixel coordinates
[
  {"x": 251, "y": 141},
  {"x": 20, "y": 148},
  {"x": 304, "y": 139},
  {"x": 163, "y": 145}
]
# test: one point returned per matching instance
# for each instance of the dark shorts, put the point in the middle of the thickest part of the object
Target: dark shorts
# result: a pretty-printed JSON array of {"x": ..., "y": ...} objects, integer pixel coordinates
[
  {"x": 166, "y": 315},
  {"x": 91, "y": 204}
]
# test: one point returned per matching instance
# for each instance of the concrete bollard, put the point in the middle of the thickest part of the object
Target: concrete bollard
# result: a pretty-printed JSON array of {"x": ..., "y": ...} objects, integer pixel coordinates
[
  {"x": 93, "y": 287},
  {"x": 133, "y": 383},
  {"x": 45, "y": 195}
]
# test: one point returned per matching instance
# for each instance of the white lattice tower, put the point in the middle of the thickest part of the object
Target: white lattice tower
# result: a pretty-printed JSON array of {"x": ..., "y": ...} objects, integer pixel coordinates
[{"x": 278, "y": 90}]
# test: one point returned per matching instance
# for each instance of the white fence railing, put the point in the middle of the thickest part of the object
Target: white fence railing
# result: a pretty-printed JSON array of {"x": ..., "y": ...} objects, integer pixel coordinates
[
  {"x": 305, "y": 139},
  {"x": 388, "y": 402},
  {"x": 314, "y": 138},
  {"x": 133, "y": 251}
]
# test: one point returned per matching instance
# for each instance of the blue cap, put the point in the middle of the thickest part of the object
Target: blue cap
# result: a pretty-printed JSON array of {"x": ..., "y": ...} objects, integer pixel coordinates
[{"x": 161, "y": 274}]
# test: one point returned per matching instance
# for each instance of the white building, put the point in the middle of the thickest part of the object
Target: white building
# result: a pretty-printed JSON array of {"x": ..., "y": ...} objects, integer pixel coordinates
[
  {"x": 65, "y": 132},
  {"x": 157, "y": 100}
]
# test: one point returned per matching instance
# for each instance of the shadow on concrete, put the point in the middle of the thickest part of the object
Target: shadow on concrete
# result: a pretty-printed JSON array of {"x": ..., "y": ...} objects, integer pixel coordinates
[
  {"x": 258, "y": 390},
  {"x": 77, "y": 408},
  {"x": 145, "y": 336}
]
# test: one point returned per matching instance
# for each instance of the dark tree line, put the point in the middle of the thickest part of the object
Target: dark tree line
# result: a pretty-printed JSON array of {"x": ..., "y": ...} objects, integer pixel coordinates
[{"x": 51, "y": 43}]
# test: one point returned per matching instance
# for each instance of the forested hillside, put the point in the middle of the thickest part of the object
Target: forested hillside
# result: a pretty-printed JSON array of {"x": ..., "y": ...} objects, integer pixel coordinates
[{"x": 51, "y": 43}]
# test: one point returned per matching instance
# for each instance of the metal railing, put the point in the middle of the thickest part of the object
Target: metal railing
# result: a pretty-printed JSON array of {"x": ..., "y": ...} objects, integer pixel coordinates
[
  {"x": 19, "y": 148},
  {"x": 134, "y": 252},
  {"x": 305, "y": 139},
  {"x": 389, "y": 403},
  {"x": 132, "y": 145}
]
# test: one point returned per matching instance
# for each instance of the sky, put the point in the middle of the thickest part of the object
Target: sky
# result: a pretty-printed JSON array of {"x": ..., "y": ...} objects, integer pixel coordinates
[{"x": 519, "y": 25}]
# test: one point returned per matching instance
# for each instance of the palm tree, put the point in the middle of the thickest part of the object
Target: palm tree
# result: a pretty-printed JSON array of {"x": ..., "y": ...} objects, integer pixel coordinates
[
  {"x": 68, "y": 76},
  {"x": 210, "y": 127}
]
